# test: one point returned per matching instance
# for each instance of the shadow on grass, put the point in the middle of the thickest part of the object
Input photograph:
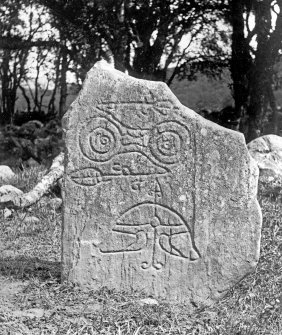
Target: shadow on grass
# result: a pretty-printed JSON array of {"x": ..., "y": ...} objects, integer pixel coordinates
[{"x": 24, "y": 268}]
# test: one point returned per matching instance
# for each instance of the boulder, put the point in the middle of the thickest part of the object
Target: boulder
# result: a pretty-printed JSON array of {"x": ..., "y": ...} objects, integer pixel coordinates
[
  {"x": 8, "y": 192},
  {"x": 148, "y": 302},
  {"x": 31, "y": 163},
  {"x": 9, "y": 189},
  {"x": 6, "y": 174},
  {"x": 267, "y": 152},
  {"x": 156, "y": 198},
  {"x": 31, "y": 220},
  {"x": 6, "y": 212},
  {"x": 56, "y": 203}
]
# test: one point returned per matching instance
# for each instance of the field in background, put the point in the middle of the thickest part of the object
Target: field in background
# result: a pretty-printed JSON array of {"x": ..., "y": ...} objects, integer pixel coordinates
[
  {"x": 204, "y": 93},
  {"x": 207, "y": 93},
  {"x": 34, "y": 302}
]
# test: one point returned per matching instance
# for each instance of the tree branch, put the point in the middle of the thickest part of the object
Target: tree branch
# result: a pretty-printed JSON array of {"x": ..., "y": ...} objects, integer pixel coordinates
[
  {"x": 16, "y": 43},
  {"x": 27, "y": 199}
]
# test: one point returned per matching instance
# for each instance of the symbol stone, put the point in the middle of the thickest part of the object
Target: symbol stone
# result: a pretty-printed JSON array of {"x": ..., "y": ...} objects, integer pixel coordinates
[{"x": 156, "y": 198}]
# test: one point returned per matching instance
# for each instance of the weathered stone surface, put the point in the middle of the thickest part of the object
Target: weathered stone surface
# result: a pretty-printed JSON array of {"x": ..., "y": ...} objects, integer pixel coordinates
[
  {"x": 267, "y": 152},
  {"x": 156, "y": 198}
]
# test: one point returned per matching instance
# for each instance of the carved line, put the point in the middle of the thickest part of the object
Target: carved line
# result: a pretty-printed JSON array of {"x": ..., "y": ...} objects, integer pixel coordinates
[
  {"x": 173, "y": 247},
  {"x": 153, "y": 161},
  {"x": 134, "y": 102},
  {"x": 120, "y": 122},
  {"x": 110, "y": 111},
  {"x": 157, "y": 238},
  {"x": 144, "y": 154},
  {"x": 173, "y": 121},
  {"x": 154, "y": 148},
  {"x": 159, "y": 206},
  {"x": 168, "y": 131},
  {"x": 115, "y": 175},
  {"x": 126, "y": 249},
  {"x": 84, "y": 132},
  {"x": 107, "y": 133},
  {"x": 134, "y": 129},
  {"x": 141, "y": 236},
  {"x": 110, "y": 177},
  {"x": 174, "y": 212},
  {"x": 194, "y": 187},
  {"x": 137, "y": 152}
]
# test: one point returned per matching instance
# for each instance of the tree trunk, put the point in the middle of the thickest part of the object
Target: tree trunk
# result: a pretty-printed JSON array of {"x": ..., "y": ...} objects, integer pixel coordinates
[
  {"x": 63, "y": 81},
  {"x": 261, "y": 74},
  {"x": 8, "y": 105},
  {"x": 240, "y": 61},
  {"x": 51, "y": 104},
  {"x": 26, "y": 98},
  {"x": 252, "y": 71}
]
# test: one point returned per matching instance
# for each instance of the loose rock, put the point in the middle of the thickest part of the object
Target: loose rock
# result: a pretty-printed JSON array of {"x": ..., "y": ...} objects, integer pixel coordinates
[
  {"x": 31, "y": 220},
  {"x": 156, "y": 198},
  {"x": 267, "y": 152},
  {"x": 31, "y": 163},
  {"x": 29, "y": 313},
  {"x": 148, "y": 301},
  {"x": 8, "y": 193},
  {"x": 7, "y": 213},
  {"x": 6, "y": 174},
  {"x": 56, "y": 203},
  {"x": 9, "y": 189}
]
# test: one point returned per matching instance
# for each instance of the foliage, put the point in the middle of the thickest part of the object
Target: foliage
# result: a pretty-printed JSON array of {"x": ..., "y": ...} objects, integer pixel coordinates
[
  {"x": 30, "y": 258},
  {"x": 24, "y": 32},
  {"x": 12, "y": 62},
  {"x": 143, "y": 37},
  {"x": 146, "y": 38}
]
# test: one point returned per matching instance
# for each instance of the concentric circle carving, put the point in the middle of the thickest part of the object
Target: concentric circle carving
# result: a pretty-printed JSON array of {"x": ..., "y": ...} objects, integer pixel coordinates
[
  {"x": 99, "y": 139},
  {"x": 167, "y": 141}
]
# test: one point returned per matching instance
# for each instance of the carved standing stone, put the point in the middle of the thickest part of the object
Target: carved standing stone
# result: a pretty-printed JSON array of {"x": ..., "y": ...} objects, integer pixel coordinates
[{"x": 156, "y": 198}]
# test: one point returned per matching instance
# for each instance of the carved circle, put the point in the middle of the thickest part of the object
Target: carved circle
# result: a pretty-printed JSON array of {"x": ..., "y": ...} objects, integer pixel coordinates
[
  {"x": 99, "y": 139},
  {"x": 167, "y": 141},
  {"x": 155, "y": 222}
]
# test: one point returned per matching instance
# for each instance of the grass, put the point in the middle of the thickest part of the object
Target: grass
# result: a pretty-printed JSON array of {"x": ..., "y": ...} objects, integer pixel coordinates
[{"x": 39, "y": 304}]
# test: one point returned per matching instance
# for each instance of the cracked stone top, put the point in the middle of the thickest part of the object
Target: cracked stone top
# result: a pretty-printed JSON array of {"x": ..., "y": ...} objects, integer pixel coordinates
[{"x": 156, "y": 198}]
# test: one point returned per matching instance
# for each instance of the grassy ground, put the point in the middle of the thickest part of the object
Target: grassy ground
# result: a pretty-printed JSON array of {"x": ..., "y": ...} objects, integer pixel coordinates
[{"x": 33, "y": 301}]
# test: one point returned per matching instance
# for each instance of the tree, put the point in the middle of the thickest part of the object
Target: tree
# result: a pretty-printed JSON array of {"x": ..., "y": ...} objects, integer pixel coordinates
[
  {"x": 12, "y": 62},
  {"x": 38, "y": 80},
  {"x": 252, "y": 64},
  {"x": 18, "y": 37},
  {"x": 144, "y": 37}
]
